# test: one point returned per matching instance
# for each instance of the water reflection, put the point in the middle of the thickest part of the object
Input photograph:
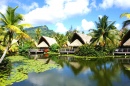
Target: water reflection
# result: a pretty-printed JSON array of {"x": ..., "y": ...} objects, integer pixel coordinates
[{"x": 81, "y": 72}]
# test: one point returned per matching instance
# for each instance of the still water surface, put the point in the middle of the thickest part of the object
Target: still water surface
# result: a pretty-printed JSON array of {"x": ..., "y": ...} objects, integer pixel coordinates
[{"x": 81, "y": 72}]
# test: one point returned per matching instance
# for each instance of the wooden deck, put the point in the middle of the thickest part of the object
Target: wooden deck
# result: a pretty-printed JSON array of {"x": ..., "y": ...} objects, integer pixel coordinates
[
  {"x": 122, "y": 51},
  {"x": 35, "y": 51},
  {"x": 66, "y": 51}
]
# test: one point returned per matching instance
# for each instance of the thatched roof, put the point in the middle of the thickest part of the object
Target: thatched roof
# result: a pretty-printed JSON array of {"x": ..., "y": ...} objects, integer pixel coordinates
[
  {"x": 127, "y": 43},
  {"x": 83, "y": 38},
  {"x": 76, "y": 43},
  {"x": 48, "y": 40},
  {"x": 42, "y": 44},
  {"x": 125, "y": 38}
]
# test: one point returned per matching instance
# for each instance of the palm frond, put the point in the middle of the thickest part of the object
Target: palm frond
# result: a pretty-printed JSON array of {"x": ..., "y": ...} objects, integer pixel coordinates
[
  {"x": 125, "y": 23},
  {"x": 127, "y": 15}
]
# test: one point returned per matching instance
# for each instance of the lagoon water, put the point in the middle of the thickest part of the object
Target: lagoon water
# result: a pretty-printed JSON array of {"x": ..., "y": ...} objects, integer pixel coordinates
[{"x": 81, "y": 72}]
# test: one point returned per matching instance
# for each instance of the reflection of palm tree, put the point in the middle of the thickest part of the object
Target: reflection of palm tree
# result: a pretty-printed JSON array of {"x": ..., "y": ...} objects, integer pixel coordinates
[
  {"x": 103, "y": 74},
  {"x": 48, "y": 60},
  {"x": 74, "y": 64},
  {"x": 126, "y": 72}
]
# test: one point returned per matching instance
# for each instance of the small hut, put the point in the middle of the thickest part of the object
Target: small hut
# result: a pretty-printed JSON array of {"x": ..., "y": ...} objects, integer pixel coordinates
[
  {"x": 125, "y": 42},
  {"x": 76, "y": 43},
  {"x": 46, "y": 42},
  {"x": 79, "y": 39}
]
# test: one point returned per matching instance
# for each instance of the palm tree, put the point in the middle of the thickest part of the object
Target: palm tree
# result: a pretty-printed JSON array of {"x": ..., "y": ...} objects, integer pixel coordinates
[
  {"x": 10, "y": 22},
  {"x": 127, "y": 22},
  {"x": 106, "y": 33},
  {"x": 61, "y": 39},
  {"x": 38, "y": 33}
]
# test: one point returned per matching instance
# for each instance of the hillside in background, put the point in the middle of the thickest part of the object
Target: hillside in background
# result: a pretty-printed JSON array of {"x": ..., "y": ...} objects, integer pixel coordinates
[{"x": 44, "y": 31}]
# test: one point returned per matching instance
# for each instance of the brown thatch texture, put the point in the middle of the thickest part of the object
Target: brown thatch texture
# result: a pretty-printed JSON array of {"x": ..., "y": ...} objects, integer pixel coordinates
[
  {"x": 48, "y": 40},
  {"x": 83, "y": 38},
  {"x": 76, "y": 43},
  {"x": 42, "y": 44},
  {"x": 127, "y": 43}
]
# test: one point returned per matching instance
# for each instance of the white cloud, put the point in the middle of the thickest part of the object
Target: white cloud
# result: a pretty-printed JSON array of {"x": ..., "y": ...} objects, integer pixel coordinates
[
  {"x": 25, "y": 7},
  {"x": 106, "y": 4},
  {"x": 124, "y": 4},
  {"x": 118, "y": 26},
  {"x": 60, "y": 28},
  {"x": 100, "y": 16},
  {"x": 87, "y": 25},
  {"x": 93, "y": 4},
  {"x": 78, "y": 28},
  {"x": 3, "y": 6},
  {"x": 53, "y": 12},
  {"x": 30, "y": 7}
]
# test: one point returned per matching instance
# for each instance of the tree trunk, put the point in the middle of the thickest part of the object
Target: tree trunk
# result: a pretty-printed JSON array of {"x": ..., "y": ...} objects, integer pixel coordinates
[{"x": 2, "y": 57}]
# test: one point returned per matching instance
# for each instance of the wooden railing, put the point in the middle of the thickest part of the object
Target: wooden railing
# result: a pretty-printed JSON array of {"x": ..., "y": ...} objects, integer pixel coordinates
[
  {"x": 124, "y": 51},
  {"x": 66, "y": 50}
]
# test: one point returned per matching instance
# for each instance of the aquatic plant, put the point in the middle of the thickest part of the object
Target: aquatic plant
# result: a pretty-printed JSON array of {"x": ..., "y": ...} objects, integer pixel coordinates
[{"x": 24, "y": 66}]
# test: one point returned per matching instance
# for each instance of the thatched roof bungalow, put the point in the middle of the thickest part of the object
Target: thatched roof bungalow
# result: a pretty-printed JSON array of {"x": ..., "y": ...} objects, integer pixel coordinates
[
  {"x": 46, "y": 42},
  {"x": 126, "y": 40},
  {"x": 79, "y": 39},
  {"x": 76, "y": 43}
]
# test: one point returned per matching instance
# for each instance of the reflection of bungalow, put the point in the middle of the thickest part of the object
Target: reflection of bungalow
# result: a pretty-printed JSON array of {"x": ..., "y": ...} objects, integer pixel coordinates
[
  {"x": 79, "y": 39},
  {"x": 46, "y": 42}
]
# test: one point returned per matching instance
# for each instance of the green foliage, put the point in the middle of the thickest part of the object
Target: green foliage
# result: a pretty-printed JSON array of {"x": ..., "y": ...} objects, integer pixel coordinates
[
  {"x": 5, "y": 69},
  {"x": 106, "y": 33},
  {"x": 61, "y": 39},
  {"x": 70, "y": 32},
  {"x": 20, "y": 72},
  {"x": 87, "y": 50},
  {"x": 44, "y": 31},
  {"x": 54, "y": 47},
  {"x": 26, "y": 46}
]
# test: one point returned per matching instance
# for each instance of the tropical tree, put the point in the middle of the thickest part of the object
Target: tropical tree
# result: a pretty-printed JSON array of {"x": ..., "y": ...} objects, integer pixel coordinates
[
  {"x": 127, "y": 22},
  {"x": 106, "y": 33},
  {"x": 70, "y": 32},
  {"x": 10, "y": 22},
  {"x": 38, "y": 33},
  {"x": 61, "y": 39}
]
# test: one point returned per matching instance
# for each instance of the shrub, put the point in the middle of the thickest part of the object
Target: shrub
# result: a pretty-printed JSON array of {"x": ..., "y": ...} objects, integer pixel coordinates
[
  {"x": 87, "y": 50},
  {"x": 54, "y": 47}
]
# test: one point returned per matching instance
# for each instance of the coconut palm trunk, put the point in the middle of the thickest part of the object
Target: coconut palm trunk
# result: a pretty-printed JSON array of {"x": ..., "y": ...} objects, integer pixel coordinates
[{"x": 7, "y": 48}]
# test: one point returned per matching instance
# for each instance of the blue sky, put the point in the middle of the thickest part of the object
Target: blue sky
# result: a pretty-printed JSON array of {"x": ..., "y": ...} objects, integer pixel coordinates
[{"x": 60, "y": 15}]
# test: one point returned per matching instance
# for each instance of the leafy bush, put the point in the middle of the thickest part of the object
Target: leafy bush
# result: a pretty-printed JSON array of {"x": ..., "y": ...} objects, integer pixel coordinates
[
  {"x": 25, "y": 47},
  {"x": 54, "y": 47},
  {"x": 87, "y": 50}
]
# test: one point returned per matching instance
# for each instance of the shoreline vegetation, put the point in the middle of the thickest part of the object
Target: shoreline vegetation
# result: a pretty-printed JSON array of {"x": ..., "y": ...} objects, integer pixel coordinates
[{"x": 21, "y": 66}]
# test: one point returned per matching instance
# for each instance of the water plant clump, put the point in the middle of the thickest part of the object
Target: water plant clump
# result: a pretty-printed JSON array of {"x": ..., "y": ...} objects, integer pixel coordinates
[{"x": 20, "y": 72}]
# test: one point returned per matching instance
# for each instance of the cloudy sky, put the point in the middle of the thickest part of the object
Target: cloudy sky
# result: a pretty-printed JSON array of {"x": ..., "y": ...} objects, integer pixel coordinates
[{"x": 60, "y": 15}]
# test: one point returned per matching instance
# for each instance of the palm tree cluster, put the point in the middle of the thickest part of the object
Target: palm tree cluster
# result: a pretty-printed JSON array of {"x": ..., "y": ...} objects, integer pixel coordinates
[
  {"x": 10, "y": 25},
  {"x": 106, "y": 33}
]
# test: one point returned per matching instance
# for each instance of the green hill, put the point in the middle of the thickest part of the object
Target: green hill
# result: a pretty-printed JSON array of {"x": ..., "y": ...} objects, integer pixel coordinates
[{"x": 44, "y": 31}]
